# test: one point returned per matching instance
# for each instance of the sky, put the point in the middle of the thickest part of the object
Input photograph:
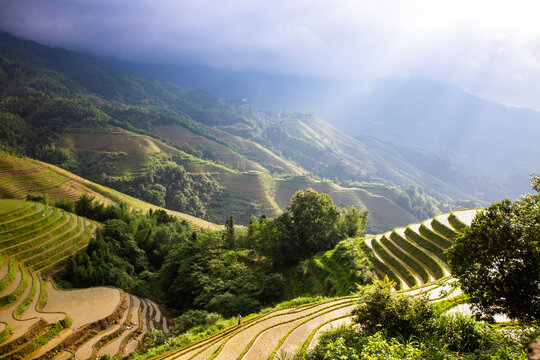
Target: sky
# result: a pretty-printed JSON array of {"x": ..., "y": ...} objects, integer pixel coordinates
[{"x": 489, "y": 48}]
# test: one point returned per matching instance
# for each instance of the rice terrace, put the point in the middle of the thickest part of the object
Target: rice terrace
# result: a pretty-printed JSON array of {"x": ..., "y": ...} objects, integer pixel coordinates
[
  {"x": 269, "y": 181},
  {"x": 41, "y": 321}
]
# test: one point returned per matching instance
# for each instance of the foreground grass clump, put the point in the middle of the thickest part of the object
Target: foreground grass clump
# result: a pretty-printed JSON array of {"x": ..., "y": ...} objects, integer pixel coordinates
[{"x": 393, "y": 326}]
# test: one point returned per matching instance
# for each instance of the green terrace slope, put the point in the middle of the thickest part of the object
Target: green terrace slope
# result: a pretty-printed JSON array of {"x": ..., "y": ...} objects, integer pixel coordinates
[
  {"x": 414, "y": 255},
  {"x": 248, "y": 155},
  {"x": 39, "y": 321},
  {"x": 22, "y": 176},
  {"x": 272, "y": 194},
  {"x": 410, "y": 257}
]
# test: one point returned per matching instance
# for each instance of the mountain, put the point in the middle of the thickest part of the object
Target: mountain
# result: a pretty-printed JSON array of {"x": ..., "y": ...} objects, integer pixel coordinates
[
  {"x": 494, "y": 144},
  {"x": 190, "y": 151}
]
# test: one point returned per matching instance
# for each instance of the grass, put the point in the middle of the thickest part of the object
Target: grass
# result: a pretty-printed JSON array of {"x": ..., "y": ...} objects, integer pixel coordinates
[
  {"x": 40, "y": 340},
  {"x": 442, "y": 229},
  {"x": 406, "y": 275},
  {"x": 431, "y": 265},
  {"x": 28, "y": 299},
  {"x": 6, "y": 333},
  {"x": 10, "y": 276},
  {"x": 58, "y": 183},
  {"x": 53, "y": 221},
  {"x": 35, "y": 247},
  {"x": 308, "y": 319},
  {"x": 419, "y": 269},
  {"x": 456, "y": 223},
  {"x": 8, "y": 228},
  {"x": 12, "y": 207},
  {"x": 14, "y": 296},
  {"x": 416, "y": 238},
  {"x": 438, "y": 240},
  {"x": 381, "y": 266}
]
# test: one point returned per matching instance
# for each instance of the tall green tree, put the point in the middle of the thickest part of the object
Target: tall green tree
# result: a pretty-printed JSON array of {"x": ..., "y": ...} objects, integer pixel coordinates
[
  {"x": 497, "y": 258},
  {"x": 354, "y": 221},
  {"x": 229, "y": 235},
  {"x": 316, "y": 221}
]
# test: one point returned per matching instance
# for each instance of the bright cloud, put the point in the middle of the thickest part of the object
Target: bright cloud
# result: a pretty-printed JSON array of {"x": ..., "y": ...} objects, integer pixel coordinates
[{"x": 491, "y": 48}]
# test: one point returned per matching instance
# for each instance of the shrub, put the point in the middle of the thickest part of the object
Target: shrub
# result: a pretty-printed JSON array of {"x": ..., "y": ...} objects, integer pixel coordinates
[
  {"x": 229, "y": 305},
  {"x": 65, "y": 204},
  {"x": 44, "y": 199},
  {"x": 395, "y": 314},
  {"x": 189, "y": 319},
  {"x": 213, "y": 318}
]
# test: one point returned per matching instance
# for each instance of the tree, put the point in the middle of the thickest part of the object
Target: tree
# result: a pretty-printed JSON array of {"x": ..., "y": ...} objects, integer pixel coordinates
[
  {"x": 316, "y": 221},
  {"x": 228, "y": 235},
  {"x": 497, "y": 258},
  {"x": 354, "y": 222}
]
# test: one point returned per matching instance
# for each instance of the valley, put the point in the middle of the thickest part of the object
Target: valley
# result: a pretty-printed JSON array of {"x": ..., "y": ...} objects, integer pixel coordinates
[{"x": 142, "y": 220}]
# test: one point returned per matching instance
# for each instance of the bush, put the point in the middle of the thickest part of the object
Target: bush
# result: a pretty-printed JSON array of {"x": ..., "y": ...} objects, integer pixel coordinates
[
  {"x": 188, "y": 320},
  {"x": 394, "y": 326},
  {"x": 44, "y": 199},
  {"x": 213, "y": 318},
  {"x": 397, "y": 315},
  {"x": 229, "y": 305},
  {"x": 65, "y": 204}
]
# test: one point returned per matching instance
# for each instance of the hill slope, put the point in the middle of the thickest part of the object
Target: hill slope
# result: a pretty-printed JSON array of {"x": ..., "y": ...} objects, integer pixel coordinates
[
  {"x": 22, "y": 176},
  {"x": 430, "y": 122},
  {"x": 103, "y": 123}
]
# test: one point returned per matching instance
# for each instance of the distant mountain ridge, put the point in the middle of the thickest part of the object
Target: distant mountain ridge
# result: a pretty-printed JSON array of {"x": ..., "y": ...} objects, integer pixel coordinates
[
  {"x": 230, "y": 158},
  {"x": 495, "y": 144}
]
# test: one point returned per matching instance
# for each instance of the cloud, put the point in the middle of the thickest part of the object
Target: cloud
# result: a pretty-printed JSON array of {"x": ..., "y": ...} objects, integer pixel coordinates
[{"x": 491, "y": 48}]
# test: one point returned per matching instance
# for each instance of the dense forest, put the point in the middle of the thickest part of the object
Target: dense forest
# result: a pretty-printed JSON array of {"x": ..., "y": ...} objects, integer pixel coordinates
[{"x": 238, "y": 270}]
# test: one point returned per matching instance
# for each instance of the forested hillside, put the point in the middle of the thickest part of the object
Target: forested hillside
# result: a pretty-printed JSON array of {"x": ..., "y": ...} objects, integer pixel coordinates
[{"x": 192, "y": 152}]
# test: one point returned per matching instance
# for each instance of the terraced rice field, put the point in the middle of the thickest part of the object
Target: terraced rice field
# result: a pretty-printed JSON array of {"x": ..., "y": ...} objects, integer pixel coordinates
[
  {"x": 409, "y": 255},
  {"x": 20, "y": 177},
  {"x": 414, "y": 255},
  {"x": 39, "y": 321}
]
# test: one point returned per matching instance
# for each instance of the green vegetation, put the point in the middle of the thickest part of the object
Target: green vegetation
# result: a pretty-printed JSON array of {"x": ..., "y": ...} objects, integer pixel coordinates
[
  {"x": 395, "y": 326},
  {"x": 405, "y": 274},
  {"x": 380, "y": 266},
  {"x": 442, "y": 229},
  {"x": 236, "y": 271},
  {"x": 426, "y": 244},
  {"x": 418, "y": 268},
  {"x": 39, "y": 340},
  {"x": 336, "y": 272},
  {"x": 431, "y": 265},
  {"x": 8, "y": 278},
  {"x": 456, "y": 223},
  {"x": 496, "y": 258},
  {"x": 429, "y": 234},
  {"x": 28, "y": 299},
  {"x": 14, "y": 296},
  {"x": 6, "y": 333}
]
